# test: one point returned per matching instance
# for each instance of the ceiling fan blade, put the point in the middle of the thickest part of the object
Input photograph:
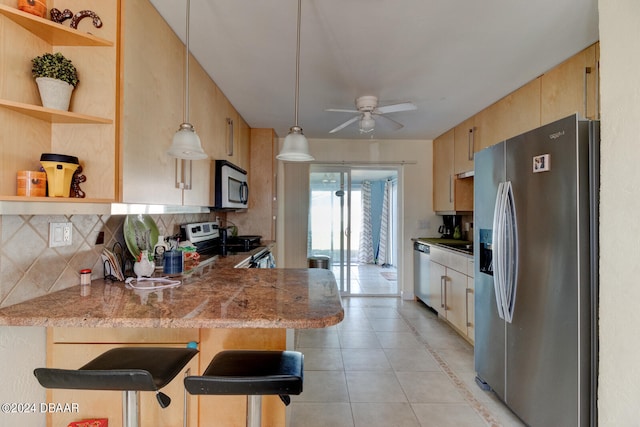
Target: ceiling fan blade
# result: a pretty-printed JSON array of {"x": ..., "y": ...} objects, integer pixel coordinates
[
  {"x": 387, "y": 122},
  {"x": 340, "y": 110},
  {"x": 394, "y": 108},
  {"x": 345, "y": 124}
]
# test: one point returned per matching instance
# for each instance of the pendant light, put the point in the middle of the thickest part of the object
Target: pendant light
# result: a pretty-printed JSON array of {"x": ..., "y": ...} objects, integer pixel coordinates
[
  {"x": 296, "y": 146},
  {"x": 186, "y": 143}
]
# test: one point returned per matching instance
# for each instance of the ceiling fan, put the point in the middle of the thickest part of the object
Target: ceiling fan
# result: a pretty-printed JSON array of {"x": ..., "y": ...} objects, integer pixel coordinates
[{"x": 368, "y": 112}]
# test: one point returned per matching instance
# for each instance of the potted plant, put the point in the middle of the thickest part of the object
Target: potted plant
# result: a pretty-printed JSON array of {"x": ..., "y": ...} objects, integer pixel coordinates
[{"x": 56, "y": 77}]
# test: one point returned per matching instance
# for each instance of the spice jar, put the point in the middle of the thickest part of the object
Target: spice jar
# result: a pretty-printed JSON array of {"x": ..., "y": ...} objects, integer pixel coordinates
[{"x": 85, "y": 282}]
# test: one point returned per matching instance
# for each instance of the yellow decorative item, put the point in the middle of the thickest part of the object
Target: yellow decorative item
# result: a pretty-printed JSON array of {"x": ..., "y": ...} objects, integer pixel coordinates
[{"x": 59, "y": 169}]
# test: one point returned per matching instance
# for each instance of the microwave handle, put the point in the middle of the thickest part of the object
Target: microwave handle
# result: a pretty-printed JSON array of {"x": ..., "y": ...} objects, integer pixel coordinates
[{"x": 244, "y": 192}]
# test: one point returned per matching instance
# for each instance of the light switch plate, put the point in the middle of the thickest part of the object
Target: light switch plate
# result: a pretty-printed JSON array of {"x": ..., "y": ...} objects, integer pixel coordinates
[{"x": 60, "y": 234}]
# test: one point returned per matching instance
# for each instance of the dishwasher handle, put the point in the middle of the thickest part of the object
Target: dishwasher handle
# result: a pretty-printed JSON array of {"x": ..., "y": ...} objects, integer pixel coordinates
[{"x": 421, "y": 247}]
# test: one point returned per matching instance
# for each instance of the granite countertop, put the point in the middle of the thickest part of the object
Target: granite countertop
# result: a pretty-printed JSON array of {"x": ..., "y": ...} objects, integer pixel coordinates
[{"x": 209, "y": 297}]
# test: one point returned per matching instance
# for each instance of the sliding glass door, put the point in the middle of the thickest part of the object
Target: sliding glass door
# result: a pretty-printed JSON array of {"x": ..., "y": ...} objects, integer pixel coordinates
[
  {"x": 330, "y": 220},
  {"x": 353, "y": 220}
]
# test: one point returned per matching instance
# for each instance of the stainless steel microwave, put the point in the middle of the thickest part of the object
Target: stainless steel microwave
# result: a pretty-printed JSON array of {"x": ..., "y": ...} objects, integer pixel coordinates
[{"x": 230, "y": 187}]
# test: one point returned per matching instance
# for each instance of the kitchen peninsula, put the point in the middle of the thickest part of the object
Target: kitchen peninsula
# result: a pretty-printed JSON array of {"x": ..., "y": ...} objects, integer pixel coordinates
[{"x": 219, "y": 308}]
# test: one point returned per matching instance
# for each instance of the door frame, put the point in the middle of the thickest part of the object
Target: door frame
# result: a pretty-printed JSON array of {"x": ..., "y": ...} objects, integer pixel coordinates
[{"x": 398, "y": 228}]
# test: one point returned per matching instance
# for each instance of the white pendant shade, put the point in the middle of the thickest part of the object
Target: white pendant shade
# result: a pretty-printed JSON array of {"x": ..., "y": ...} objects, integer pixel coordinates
[
  {"x": 186, "y": 144},
  {"x": 295, "y": 147}
]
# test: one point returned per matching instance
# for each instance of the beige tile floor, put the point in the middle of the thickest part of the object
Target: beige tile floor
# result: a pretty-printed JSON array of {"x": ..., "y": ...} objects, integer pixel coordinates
[{"x": 391, "y": 363}]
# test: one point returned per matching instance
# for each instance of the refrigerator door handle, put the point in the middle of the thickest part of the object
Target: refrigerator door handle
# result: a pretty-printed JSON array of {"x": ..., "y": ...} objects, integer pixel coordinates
[
  {"x": 505, "y": 251},
  {"x": 510, "y": 252},
  {"x": 497, "y": 249}
]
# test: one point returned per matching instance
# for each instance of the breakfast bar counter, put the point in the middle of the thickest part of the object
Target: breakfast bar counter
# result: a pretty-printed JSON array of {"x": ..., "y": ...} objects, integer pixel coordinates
[
  {"x": 218, "y": 308},
  {"x": 207, "y": 298}
]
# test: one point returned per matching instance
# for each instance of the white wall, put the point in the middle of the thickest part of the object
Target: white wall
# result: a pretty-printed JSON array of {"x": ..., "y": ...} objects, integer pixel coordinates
[
  {"x": 619, "y": 382},
  {"x": 416, "y": 210}
]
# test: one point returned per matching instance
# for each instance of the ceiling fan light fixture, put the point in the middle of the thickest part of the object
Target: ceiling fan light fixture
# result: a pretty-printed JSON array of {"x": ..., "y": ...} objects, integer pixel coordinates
[
  {"x": 295, "y": 147},
  {"x": 367, "y": 123}
]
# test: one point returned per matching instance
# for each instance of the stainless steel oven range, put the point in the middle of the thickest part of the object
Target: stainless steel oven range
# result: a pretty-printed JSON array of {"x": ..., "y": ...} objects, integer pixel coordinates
[{"x": 210, "y": 241}]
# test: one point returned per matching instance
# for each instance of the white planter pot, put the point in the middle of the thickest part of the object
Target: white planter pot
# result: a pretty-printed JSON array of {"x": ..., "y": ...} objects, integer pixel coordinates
[{"x": 54, "y": 93}]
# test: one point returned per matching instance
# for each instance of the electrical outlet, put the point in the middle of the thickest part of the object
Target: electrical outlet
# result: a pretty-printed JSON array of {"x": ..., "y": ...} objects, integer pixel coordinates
[{"x": 60, "y": 234}]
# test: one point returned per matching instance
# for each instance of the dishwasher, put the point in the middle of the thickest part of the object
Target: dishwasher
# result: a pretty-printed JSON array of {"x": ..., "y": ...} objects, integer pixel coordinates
[{"x": 421, "y": 260}]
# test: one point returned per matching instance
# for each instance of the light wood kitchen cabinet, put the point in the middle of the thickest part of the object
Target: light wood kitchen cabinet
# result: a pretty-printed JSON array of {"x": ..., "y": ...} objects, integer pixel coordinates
[
  {"x": 471, "y": 325},
  {"x": 572, "y": 87},
  {"x": 437, "y": 277},
  {"x": 450, "y": 194},
  {"x": 88, "y": 129},
  {"x": 464, "y": 146},
  {"x": 443, "y": 172},
  {"x": 512, "y": 115},
  {"x": 153, "y": 108},
  {"x": 243, "y": 146},
  {"x": 449, "y": 290},
  {"x": 70, "y": 348},
  {"x": 260, "y": 217}
]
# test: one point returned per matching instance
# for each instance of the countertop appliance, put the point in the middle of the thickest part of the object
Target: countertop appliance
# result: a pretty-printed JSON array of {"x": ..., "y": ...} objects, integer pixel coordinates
[
  {"x": 230, "y": 187},
  {"x": 536, "y": 198},
  {"x": 421, "y": 260}
]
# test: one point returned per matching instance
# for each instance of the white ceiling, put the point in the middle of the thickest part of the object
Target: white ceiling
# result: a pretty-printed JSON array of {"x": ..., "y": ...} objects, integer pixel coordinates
[{"x": 451, "y": 58}]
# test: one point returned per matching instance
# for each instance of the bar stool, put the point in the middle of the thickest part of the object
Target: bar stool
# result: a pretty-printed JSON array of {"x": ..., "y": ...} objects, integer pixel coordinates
[
  {"x": 253, "y": 373},
  {"x": 129, "y": 369}
]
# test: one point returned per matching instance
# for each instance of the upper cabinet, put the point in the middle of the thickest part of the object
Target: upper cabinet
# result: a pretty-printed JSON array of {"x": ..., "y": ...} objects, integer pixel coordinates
[
  {"x": 124, "y": 112},
  {"x": 568, "y": 88},
  {"x": 464, "y": 146},
  {"x": 514, "y": 114},
  {"x": 88, "y": 129},
  {"x": 572, "y": 87},
  {"x": 450, "y": 193},
  {"x": 260, "y": 218},
  {"x": 153, "y": 109},
  {"x": 443, "y": 172}
]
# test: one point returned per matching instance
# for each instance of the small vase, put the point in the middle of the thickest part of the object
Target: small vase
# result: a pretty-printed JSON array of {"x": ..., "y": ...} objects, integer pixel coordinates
[
  {"x": 144, "y": 267},
  {"x": 54, "y": 93}
]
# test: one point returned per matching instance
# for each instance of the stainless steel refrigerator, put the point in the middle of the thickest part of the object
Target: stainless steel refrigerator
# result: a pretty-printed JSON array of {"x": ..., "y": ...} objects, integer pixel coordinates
[{"x": 536, "y": 198}]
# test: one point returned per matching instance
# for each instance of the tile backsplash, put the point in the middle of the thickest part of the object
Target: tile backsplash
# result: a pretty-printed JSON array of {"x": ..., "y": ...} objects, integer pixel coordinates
[{"x": 29, "y": 268}]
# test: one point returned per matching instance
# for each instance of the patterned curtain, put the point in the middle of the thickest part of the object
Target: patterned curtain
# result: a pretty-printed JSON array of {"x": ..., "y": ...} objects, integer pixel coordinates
[
  {"x": 365, "y": 253},
  {"x": 384, "y": 226}
]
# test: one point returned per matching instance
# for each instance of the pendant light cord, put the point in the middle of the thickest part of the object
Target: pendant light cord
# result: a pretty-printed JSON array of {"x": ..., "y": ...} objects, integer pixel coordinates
[
  {"x": 186, "y": 68},
  {"x": 297, "y": 63}
]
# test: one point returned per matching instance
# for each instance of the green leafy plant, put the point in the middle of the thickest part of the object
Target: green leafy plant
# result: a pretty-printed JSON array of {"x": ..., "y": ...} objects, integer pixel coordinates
[{"x": 56, "y": 66}]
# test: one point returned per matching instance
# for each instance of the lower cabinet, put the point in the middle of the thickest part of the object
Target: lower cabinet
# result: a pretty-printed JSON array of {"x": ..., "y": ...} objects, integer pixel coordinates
[{"x": 451, "y": 295}]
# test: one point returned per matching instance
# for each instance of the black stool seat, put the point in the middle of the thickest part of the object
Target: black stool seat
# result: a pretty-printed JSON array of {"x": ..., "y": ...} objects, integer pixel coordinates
[
  {"x": 250, "y": 372},
  {"x": 128, "y": 369},
  {"x": 125, "y": 368}
]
